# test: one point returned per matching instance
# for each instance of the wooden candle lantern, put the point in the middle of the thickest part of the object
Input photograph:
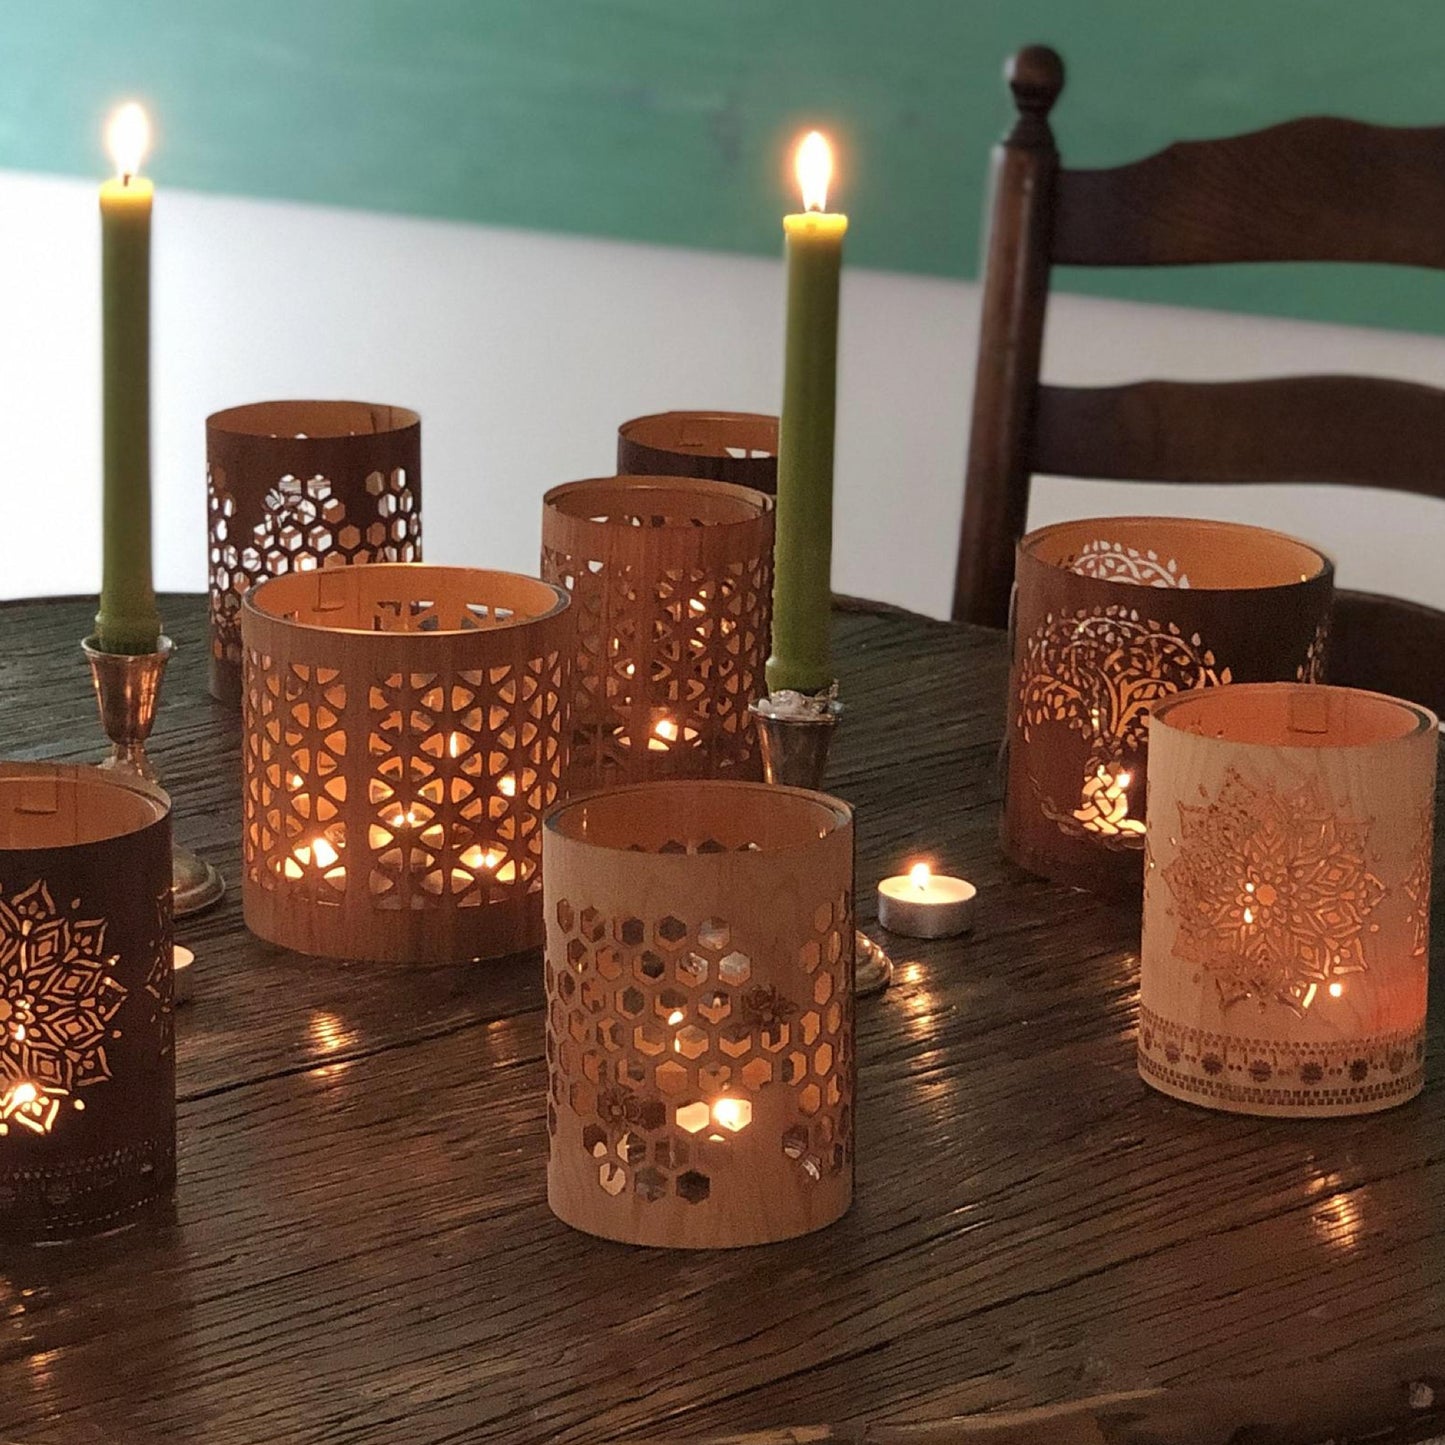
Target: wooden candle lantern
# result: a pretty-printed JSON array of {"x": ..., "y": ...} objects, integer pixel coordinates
[
  {"x": 700, "y": 1013},
  {"x": 724, "y": 446},
  {"x": 671, "y": 581},
  {"x": 1287, "y": 899},
  {"x": 87, "y": 1043},
  {"x": 296, "y": 485},
  {"x": 1111, "y": 615},
  {"x": 403, "y": 735}
]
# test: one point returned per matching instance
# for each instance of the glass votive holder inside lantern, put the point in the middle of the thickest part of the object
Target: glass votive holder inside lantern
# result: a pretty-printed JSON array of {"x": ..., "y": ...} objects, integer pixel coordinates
[
  {"x": 725, "y": 446},
  {"x": 297, "y": 485},
  {"x": 1286, "y": 948},
  {"x": 671, "y": 580},
  {"x": 699, "y": 979},
  {"x": 1110, "y": 616},
  {"x": 87, "y": 1042},
  {"x": 403, "y": 734}
]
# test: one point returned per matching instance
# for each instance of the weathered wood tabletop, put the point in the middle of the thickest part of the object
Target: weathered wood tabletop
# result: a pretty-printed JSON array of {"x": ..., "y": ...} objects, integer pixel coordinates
[{"x": 361, "y": 1250}]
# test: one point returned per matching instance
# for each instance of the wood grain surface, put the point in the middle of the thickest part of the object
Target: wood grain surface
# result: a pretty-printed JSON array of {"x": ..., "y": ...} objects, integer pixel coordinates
[{"x": 361, "y": 1251}]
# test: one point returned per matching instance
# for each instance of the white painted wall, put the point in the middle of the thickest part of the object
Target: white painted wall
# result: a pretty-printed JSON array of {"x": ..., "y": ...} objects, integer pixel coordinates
[{"x": 524, "y": 351}]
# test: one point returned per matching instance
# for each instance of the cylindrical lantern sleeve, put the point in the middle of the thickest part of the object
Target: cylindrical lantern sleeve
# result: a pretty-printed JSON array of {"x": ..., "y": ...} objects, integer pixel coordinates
[
  {"x": 297, "y": 485},
  {"x": 723, "y": 446},
  {"x": 699, "y": 978},
  {"x": 1111, "y": 615},
  {"x": 1286, "y": 946},
  {"x": 672, "y": 584},
  {"x": 87, "y": 1042},
  {"x": 403, "y": 734}
]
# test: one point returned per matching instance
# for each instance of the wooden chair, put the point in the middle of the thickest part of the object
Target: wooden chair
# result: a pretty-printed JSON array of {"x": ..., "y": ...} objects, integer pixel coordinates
[{"x": 1309, "y": 190}]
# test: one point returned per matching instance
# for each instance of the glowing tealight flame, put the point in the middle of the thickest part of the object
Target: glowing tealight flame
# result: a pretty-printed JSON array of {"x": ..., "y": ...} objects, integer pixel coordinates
[
  {"x": 128, "y": 138},
  {"x": 507, "y": 785},
  {"x": 477, "y": 857},
  {"x": 666, "y": 729},
  {"x": 676, "y": 1016},
  {"x": 696, "y": 606},
  {"x": 919, "y": 874},
  {"x": 24, "y": 1094},
  {"x": 814, "y": 166},
  {"x": 732, "y": 1114},
  {"x": 324, "y": 854},
  {"x": 1336, "y": 989}
]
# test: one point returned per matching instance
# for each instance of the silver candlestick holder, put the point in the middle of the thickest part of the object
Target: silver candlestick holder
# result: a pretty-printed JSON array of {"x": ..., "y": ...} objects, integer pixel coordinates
[
  {"x": 795, "y": 736},
  {"x": 128, "y": 691}
]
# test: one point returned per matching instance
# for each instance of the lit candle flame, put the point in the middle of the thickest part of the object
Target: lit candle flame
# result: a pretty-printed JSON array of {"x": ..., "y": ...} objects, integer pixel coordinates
[
  {"x": 507, "y": 785},
  {"x": 324, "y": 854},
  {"x": 814, "y": 167},
  {"x": 920, "y": 873},
  {"x": 666, "y": 729},
  {"x": 128, "y": 138},
  {"x": 676, "y": 1016},
  {"x": 732, "y": 1114},
  {"x": 1336, "y": 989}
]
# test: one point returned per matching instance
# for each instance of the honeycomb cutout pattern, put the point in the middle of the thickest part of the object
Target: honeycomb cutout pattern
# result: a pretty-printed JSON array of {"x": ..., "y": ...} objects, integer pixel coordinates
[
  {"x": 671, "y": 1041},
  {"x": 300, "y": 525},
  {"x": 668, "y": 656},
  {"x": 384, "y": 798}
]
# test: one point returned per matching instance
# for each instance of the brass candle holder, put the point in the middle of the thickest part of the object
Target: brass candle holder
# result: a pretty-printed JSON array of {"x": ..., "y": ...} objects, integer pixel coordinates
[
  {"x": 795, "y": 737},
  {"x": 128, "y": 692}
]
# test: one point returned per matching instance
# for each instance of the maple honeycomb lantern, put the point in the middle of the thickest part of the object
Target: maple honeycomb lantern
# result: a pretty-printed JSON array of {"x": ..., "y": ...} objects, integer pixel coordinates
[
  {"x": 87, "y": 1042},
  {"x": 296, "y": 485},
  {"x": 1286, "y": 945},
  {"x": 1110, "y": 616},
  {"x": 402, "y": 737},
  {"x": 699, "y": 976},
  {"x": 671, "y": 580}
]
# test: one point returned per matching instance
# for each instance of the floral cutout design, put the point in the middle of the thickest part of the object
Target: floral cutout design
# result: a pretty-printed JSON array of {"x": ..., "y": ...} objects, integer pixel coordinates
[
  {"x": 1118, "y": 562},
  {"x": 57, "y": 1001},
  {"x": 1273, "y": 892},
  {"x": 1097, "y": 672}
]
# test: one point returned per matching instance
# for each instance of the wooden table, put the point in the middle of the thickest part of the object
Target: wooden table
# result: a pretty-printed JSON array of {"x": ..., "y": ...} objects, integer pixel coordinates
[{"x": 361, "y": 1250}]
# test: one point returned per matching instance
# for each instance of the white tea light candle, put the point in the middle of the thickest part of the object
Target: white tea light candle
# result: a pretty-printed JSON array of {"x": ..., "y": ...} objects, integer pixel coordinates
[
  {"x": 922, "y": 904},
  {"x": 182, "y": 959}
]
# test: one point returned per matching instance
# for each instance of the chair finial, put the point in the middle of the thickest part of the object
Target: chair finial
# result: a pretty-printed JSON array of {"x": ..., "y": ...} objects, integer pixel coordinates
[{"x": 1035, "y": 74}]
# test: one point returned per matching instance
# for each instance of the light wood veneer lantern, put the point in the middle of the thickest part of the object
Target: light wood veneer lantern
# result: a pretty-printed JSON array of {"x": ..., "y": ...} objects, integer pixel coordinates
[
  {"x": 404, "y": 732},
  {"x": 1287, "y": 899},
  {"x": 700, "y": 1012},
  {"x": 87, "y": 1042},
  {"x": 672, "y": 584},
  {"x": 1110, "y": 616},
  {"x": 295, "y": 485},
  {"x": 725, "y": 446}
]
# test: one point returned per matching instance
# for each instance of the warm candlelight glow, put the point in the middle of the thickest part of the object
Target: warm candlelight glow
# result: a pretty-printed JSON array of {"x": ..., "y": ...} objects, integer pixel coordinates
[
  {"x": 814, "y": 169},
  {"x": 507, "y": 785},
  {"x": 732, "y": 1114},
  {"x": 477, "y": 857},
  {"x": 128, "y": 137},
  {"x": 1336, "y": 989},
  {"x": 676, "y": 1016},
  {"x": 920, "y": 873},
  {"x": 324, "y": 854}
]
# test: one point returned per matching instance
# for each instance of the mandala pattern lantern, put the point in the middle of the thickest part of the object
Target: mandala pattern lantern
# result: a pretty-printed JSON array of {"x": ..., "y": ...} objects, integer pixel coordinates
[
  {"x": 1287, "y": 899},
  {"x": 700, "y": 1013},
  {"x": 87, "y": 1044},
  {"x": 297, "y": 485},
  {"x": 726, "y": 446},
  {"x": 1110, "y": 616},
  {"x": 671, "y": 580},
  {"x": 403, "y": 734}
]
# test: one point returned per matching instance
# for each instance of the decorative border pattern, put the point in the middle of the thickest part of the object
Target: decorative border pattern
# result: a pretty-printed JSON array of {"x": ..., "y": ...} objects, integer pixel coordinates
[{"x": 1220, "y": 1069}]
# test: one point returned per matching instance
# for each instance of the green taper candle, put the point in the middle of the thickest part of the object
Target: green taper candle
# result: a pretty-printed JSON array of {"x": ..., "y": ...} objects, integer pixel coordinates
[
  {"x": 802, "y": 585},
  {"x": 127, "y": 620}
]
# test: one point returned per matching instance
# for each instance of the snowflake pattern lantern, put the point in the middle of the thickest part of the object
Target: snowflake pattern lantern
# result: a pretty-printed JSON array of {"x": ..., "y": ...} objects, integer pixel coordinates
[
  {"x": 699, "y": 977},
  {"x": 87, "y": 1070},
  {"x": 402, "y": 736},
  {"x": 671, "y": 581},
  {"x": 297, "y": 485},
  {"x": 1110, "y": 617},
  {"x": 1287, "y": 899}
]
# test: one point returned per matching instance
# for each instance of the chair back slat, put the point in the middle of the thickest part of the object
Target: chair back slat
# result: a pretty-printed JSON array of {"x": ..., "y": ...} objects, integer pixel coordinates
[
  {"x": 1350, "y": 430},
  {"x": 1319, "y": 189}
]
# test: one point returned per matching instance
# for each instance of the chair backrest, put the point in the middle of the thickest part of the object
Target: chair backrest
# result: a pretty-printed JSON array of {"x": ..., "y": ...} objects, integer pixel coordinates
[{"x": 1309, "y": 190}]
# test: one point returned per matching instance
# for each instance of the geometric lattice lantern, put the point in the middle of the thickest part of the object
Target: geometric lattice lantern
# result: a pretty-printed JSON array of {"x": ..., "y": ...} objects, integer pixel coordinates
[
  {"x": 1110, "y": 616},
  {"x": 727, "y": 446},
  {"x": 403, "y": 734},
  {"x": 1286, "y": 948},
  {"x": 87, "y": 1046},
  {"x": 699, "y": 975},
  {"x": 297, "y": 485},
  {"x": 671, "y": 581}
]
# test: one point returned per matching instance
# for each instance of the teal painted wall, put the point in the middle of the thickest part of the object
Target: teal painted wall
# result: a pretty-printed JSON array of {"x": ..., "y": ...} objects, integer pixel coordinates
[{"x": 670, "y": 120}]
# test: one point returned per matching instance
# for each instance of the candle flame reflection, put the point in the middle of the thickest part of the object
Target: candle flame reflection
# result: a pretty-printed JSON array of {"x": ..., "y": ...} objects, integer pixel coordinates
[
  {"x": 814, "y": 167},
  {"x": 128, "y": 138}
]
